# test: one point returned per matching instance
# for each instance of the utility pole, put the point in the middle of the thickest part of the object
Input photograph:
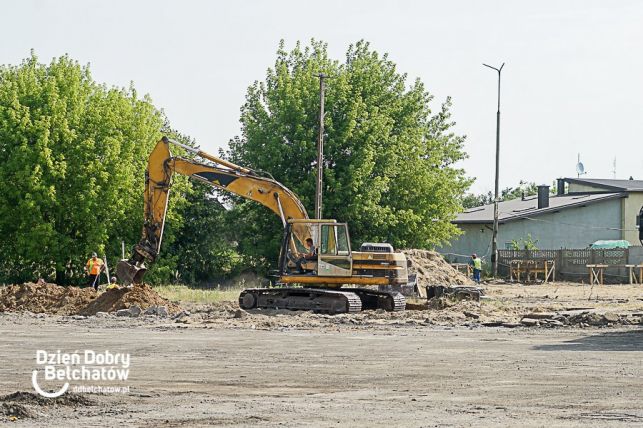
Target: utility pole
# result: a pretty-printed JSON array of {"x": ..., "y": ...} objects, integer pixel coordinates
[
  {"x": 494, "y": 238},
  {"x": 320, "y": 149}
]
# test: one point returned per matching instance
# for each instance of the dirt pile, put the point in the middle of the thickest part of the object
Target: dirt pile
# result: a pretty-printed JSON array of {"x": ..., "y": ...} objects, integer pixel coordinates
[
  {"x": 45, "y": 298},
  {"x": 57, "y": 300},
  {"x": 30, "y": 398},
  {"x": 142, "y": 296},
  {"x": 432, "y": 269},
  {"x": 15, "y": 411},
  {"x": 26, "y": 405},
  {"x": 581, "y": 319}
]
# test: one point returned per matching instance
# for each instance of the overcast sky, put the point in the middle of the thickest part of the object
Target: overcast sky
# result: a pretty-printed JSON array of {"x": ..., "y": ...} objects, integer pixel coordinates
[{"x": 572, "y": 83}]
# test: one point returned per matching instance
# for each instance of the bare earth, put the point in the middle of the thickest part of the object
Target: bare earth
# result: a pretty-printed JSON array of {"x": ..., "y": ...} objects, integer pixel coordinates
[
  {"x": 337, "y": 374},
  {"x": 218, "y": 365}
]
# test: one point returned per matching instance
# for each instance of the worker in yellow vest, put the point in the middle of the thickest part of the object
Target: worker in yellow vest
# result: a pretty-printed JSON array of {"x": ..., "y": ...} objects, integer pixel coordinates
[
  {"x": 93, "y": 268},
  {"x": 112, "y": 284},
  {"x": 477, "y": 267}
]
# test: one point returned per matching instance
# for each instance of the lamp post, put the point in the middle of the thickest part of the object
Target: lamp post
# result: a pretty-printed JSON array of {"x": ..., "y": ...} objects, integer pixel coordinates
[
  {"x": 320, "y": 149},
  {"x": 494, "y": 238}
]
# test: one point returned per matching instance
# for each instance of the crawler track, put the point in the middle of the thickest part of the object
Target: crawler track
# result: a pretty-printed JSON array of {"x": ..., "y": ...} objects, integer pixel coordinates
[
  {"x": 301, "y": 299},
  {"x": 390, "y": 301},
  {"x": 349, "y": 300}
]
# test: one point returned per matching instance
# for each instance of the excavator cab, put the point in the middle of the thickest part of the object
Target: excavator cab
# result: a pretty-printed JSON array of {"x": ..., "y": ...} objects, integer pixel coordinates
[
  {"x": 334, "y": 254},
  {"x": 333, "y": 257},
  {"x": 317, "y": 283}
]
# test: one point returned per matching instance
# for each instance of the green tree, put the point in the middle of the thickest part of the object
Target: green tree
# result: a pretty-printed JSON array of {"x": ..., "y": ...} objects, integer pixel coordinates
[
  {"x": 471, "y": 200},
  {"x": 527, "y": 243},
  {"x": 524, "y": 188},
  {"x": 388, "y": 158},
  {"x": 72, "y": 156},
  {"x": 204, "y": 248}
]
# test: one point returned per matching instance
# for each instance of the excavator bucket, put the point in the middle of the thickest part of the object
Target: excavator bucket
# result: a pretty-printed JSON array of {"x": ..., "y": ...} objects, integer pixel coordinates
[{"x": 129, "y": 273}]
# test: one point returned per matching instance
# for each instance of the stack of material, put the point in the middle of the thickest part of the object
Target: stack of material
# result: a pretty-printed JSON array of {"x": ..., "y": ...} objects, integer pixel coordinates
[
  {"x": 456, "y": 292},
  {"x": 432, "y": 269}
]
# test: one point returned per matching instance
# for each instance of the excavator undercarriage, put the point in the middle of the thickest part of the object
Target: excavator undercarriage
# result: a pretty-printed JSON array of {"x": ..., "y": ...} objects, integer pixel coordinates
[{"x": 346, "y": 300}]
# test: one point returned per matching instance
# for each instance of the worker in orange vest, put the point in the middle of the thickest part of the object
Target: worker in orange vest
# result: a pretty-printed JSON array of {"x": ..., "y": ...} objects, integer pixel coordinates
[{"x": 93, "y": 268}]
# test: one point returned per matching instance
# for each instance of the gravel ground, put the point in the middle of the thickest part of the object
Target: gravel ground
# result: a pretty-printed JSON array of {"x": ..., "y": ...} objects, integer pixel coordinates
[{"x": 201, "y": 371}]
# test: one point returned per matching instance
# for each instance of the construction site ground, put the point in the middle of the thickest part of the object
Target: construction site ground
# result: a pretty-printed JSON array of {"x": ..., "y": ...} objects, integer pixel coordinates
[{"x": 453, "y": 364}]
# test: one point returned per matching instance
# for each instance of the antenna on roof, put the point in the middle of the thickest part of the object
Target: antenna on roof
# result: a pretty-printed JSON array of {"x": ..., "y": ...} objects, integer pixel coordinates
[
  {"x": 580, "y": 168},
  {"x": 614, "y": 168}
]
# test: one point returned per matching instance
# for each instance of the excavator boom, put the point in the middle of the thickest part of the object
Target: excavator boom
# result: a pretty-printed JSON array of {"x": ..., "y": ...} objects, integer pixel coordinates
[{"x": 220, "y": 174}]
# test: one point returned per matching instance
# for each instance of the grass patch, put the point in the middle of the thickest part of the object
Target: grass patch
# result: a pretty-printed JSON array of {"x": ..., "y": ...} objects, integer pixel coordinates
[{"x": 182, "y": 293}]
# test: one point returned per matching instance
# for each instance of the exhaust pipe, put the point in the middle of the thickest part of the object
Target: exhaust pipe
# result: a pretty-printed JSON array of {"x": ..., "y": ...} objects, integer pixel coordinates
[{"x": 129, "y": 273}]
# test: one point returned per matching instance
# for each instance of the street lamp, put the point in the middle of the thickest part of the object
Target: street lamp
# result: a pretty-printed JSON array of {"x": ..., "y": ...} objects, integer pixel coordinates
[
  {"x": 494, "y": 239},
  {"x": 320, "y": 149}
]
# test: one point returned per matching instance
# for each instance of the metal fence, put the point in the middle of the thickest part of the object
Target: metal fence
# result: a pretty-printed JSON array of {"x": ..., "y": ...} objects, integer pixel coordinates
[{"x": 570, "y": 263}]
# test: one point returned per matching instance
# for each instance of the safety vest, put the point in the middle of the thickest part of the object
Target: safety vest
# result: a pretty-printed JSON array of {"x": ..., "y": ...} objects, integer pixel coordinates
[
  {"x": 477, "y": 263},
  {"x": 94, "y": 266}
]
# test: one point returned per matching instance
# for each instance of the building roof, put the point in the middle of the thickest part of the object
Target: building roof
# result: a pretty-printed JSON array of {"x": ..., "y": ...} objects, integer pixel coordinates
[
  {"x": 607, "y": 184},
  {"x": 515, "y": 209}
]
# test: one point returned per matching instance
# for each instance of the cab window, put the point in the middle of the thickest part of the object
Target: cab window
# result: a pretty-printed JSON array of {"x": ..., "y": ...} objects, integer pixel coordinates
[{"x": 328, "y": 240}]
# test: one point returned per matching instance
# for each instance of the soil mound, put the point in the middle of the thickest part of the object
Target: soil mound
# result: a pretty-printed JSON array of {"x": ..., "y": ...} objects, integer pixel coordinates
[
  {"x": 432, "y": 269},
  {"x": 45, "y": 298},
  {"x": 25, "y": 405},
  {"x": 57, "y": 300},
  {"x": 68, "y": 399},
  {"x": 142, "y": 296},
  {"x": 15, "y": 411}
]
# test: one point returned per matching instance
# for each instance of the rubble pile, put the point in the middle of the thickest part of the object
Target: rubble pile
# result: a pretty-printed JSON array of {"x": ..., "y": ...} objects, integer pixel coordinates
[{"x": 580, "y": 319}]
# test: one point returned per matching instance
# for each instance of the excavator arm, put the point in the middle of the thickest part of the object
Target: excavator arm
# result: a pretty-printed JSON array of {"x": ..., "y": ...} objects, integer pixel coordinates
[{"x": 222, "y": 175}]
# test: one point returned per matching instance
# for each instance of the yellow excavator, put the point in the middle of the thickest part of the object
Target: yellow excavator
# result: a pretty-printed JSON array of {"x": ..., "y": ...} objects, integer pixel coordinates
[{"x": 309, "y": 277}]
